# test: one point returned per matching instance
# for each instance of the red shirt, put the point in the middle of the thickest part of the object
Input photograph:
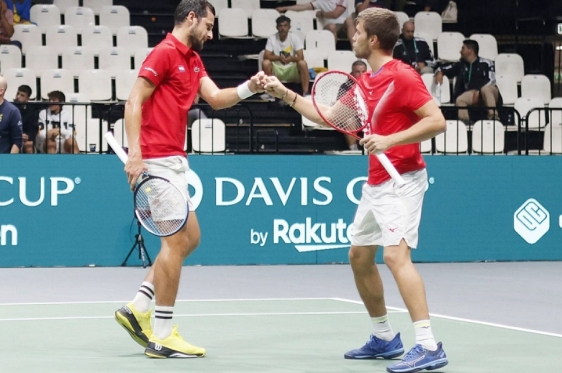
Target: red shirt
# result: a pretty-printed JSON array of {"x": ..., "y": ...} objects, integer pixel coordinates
[
  {"x": 394, "y": 93},
  {"x": 175, "y": 70}
]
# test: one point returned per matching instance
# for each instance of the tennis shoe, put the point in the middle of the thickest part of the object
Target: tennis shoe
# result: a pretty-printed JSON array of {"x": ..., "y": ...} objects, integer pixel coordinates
[
  {"x": 376, "y": 347},
  {"x": 136, "y": 323},
  {"x": 172, "y": 346},
  {"x": 418, "y": 358}
]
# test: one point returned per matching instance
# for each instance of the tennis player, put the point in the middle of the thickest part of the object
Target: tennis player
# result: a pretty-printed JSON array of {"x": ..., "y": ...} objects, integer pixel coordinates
[
  {"x": 403, "y": 115},
  {"x": 155, "y": 122}
]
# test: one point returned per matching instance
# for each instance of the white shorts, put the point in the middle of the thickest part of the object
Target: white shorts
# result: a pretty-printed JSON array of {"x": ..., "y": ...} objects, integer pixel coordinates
[
  {"x": 174, "y": 169},
  {"x": 384, "y": 218}
]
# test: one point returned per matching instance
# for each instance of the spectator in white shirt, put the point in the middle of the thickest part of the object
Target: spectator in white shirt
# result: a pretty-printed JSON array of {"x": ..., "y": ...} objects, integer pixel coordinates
[{"x": 56, "y": 128}]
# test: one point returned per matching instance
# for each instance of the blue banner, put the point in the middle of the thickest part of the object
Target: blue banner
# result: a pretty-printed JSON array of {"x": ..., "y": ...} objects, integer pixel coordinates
[{"x": 77, "y": 210}]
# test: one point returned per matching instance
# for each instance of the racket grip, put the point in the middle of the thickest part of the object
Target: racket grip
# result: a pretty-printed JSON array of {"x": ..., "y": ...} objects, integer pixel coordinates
[
  {"x": 116, "y": 147},
  {"x": 389, "y": 167}
]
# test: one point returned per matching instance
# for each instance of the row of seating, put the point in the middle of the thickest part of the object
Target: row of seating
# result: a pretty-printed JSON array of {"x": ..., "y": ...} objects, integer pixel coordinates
[{"x": 95, "y": 5}]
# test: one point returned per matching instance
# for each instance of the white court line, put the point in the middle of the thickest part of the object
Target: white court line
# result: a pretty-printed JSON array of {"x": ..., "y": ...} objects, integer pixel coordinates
[{"x": 464, "y": 320}]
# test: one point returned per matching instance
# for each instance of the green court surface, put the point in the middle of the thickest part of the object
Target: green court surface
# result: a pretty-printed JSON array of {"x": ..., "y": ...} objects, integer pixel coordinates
[{"x": 277, "y": 335}]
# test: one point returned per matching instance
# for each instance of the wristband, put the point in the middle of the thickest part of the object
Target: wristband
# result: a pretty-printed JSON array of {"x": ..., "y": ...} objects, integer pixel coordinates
[{"x": 244, "y": 91}]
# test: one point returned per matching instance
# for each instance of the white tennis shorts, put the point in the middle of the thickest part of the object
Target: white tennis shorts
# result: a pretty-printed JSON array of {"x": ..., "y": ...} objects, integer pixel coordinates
[
  {"x": 174, "y": 169},
  {"x": 387, "y": 214}
]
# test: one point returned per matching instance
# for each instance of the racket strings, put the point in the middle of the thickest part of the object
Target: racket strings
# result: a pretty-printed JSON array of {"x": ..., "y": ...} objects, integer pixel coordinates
[
  {"x": 335, "y": 88},
  {"x": 160, "y": 206}
]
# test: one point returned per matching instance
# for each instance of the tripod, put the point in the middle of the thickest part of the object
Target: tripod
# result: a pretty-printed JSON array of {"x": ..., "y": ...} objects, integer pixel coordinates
[{"x": 139, "y": 241}]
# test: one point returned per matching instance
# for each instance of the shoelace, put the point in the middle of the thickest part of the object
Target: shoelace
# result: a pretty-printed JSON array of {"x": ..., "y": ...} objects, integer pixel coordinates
[
  {"x": 375, "y": 342},
  {"x": 413, "y": 352},
  {"x": 176, "y": 333}
]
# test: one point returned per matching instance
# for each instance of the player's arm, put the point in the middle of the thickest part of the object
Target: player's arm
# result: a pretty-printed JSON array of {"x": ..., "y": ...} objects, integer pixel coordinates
[
  {"x": 296, "y": 8},
  {"x": 142, "y": 90},
  {"x": 331, "y": 14},
  {"x": 431, "y": 124},
  {"x": 223, "y": 98}
]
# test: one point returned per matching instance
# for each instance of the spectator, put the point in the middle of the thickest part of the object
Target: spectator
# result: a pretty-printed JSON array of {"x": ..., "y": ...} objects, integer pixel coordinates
[
  {"x": 20, "y": 10},
  {"x": 10, "y": 123},
  {"x": 284, "y": 57},
  {"x": 413, "y": 51},
  {"x": 7, "y": 25},
  {"x": 28, "y": 118},
  {"x": 361, "y": 5},
  {"x": 56, "y": 130},
  {"x": 476, "y": 81},
  {"x": 331, "y": 13}
]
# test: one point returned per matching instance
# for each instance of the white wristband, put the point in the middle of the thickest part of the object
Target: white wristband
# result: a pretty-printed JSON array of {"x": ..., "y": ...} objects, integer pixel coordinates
[{"x": 243, "y": 90}]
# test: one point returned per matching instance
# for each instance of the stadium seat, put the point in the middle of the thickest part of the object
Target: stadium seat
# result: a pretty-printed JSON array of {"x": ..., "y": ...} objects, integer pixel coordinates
[
  {"x": 10, "y": 57},
  {"x": 449, "y": 45},
  {"x": 488, "y": 137},
  {"x": 77, "y": 59},
  {"x": 301, "y": 22},
  {"x": 56, "y": 80},
  {"x": 97, "y": 38},
  {"x": 219, "y": 5},
  {"x": 537, "y": 87},
  {"x": 487, "y": 45},
  {"x": 45, "y": 16},
  {"x": 114, "y": 17},
  {"x": 249, "y": 6},
  {"x": 208, "y": 135},
  {"x": 525, "y": 104},
  {"x": 233, "y": 23},
  {"x": 17, "y": 77},
  {"x": 510, "y": 64},
  {"x": 322, "y": 41},
  {"x": 441, "y": 94},
  {"x": 313, "y": 58},
  {"x": 97, "y": 5},
  {"x": 28, "y": 36},
  {"x": 79, "y": 17},
  {"x": 124, "y": 82},
  {"x": 341, "y": 60},
  {"x": 454, "y": 140},
  {"x": 263, "y": 22},
  {"x": 114, "y": 59},
  {"x": 96, "y": 84},
  {"x": 63, "y": 5},
  {"x": 429, "y": 23},
  {"x": 140, "y": 55},
  {"x": 132, "y": 38},
  {"x": 426, "y": 146},
  {"x": 60, "y": 37},
  {"x": 552, "y": 142},
  {"x": 507, "y": 86},
  {"x": 402, "y": 17},
  {"x": 39, "y": 59},
  {"x": 555, "y": 115},
  {"x": 427, "y": 39}
]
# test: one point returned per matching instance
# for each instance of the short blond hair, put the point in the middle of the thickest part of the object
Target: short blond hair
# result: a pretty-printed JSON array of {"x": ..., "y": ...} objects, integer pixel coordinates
[{"x": 383, "y": 24}]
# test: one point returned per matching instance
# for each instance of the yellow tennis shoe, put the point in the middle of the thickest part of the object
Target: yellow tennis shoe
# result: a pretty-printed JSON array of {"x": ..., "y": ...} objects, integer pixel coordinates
[
  {"x": 136, "y": 323},
  {"x": 172, "y": 346}
]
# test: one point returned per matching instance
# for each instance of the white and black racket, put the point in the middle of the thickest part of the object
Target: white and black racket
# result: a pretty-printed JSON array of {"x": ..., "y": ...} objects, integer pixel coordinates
[
  {"x": 339, "y": 94},
  {"x": 159, "y": 205}
]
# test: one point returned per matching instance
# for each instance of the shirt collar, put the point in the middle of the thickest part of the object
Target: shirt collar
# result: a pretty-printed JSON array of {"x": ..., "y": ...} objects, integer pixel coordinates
[{"x": 184, "y": 49}]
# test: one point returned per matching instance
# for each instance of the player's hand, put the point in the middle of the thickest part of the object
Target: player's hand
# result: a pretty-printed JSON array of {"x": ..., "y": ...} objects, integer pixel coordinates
[
  {"x": 134, "y": 168},
  {"x": 256, "y": 82},
  {"x": 375, "y": 143},
  {"x": 274, "y": 87}
]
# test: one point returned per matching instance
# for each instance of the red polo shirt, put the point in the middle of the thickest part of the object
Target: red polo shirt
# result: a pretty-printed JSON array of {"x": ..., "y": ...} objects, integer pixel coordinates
[{"x": 175, "y": 70}]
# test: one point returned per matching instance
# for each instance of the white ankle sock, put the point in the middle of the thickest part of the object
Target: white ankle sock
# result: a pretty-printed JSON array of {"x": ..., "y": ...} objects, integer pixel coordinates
[
  {"x": 144, "y": 297},
  {"x": 424, "y": 335},
  {"x": 163, "y": 321},
  {"x": 382, "y": 328}
]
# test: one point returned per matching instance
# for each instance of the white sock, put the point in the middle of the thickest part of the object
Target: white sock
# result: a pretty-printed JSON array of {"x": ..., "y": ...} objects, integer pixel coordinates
[
  {"x": 144, "y": 297},
  {"x": 353, "y": 147},
  {"x": 382, "y": 328},
  {"x": 424, "y": 335},
  {"x": 163, "y": 321}
]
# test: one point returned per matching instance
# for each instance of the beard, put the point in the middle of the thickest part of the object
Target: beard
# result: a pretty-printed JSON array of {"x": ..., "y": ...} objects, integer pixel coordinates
[
  {"x": 361, "y": 53},
  {"x": 196, "y": 44}
]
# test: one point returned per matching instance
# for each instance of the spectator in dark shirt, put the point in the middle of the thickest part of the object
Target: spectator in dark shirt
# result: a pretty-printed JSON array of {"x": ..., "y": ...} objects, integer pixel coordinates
[
  {"x": 29, "y": 116},
  {"x": 413, "y": 51},
  {"x": 10, "y": 123},
  {"x": 476, "y": 81}
]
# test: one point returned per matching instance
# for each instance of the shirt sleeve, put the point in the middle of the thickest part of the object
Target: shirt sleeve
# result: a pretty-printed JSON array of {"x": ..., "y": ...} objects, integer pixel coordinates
[
  {"x": 297, "y": 43},
  {"x": 269, "y": 44},
  {"x": 156, "y": 65},
  {"x": 415, "y": 93}
]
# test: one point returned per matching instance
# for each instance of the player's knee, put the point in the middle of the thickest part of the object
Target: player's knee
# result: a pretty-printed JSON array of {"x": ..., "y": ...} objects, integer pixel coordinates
[
  {"x": 394, "y": 259},
  {"x": 358, "y": 257}
]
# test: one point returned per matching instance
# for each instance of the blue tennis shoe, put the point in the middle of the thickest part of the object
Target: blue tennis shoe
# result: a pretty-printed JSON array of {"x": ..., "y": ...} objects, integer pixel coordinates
[
  {"x": 419, "y": 359},
  {"x": 376, "y": 347}
]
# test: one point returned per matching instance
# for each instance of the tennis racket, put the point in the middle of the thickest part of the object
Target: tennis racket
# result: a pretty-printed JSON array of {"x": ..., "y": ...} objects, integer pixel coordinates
[
  {"x": 159, "y": 205},
  {"x": 339, "y": 94}
]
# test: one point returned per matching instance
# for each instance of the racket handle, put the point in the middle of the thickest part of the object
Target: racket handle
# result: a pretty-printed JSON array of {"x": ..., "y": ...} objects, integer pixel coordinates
[
  {"x": 116, "y": 147},
  {"x": 389, "y": 167}
]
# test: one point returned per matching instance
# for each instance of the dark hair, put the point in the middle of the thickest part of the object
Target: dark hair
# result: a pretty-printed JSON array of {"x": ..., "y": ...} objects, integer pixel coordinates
[
  {"x": 58, "y": 95},
  {"x": 358, "y": 62},
  {"x": 25, "y": 89},
  {"x": 472, "y": 44},
  {"x": 383, "y": 24},
  {"x": 199, "y": 7},
  {"x": 282, "y": 19}
]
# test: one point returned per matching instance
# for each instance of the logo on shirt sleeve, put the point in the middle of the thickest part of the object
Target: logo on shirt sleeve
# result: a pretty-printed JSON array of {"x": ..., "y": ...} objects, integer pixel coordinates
[
  {"x": 151, "y": 70},
  {"x": 196, "y": 69}
]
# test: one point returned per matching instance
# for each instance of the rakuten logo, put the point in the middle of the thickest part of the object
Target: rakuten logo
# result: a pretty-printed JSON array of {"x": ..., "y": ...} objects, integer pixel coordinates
[{"x": 309, "y": 236}]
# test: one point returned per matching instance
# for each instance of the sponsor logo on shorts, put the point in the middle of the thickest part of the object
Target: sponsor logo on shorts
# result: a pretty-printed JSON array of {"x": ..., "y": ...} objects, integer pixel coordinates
[{"x": 531, "y": 221}]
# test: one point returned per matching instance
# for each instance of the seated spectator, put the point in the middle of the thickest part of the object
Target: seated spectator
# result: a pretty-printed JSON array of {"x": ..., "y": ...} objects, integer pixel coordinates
[
  {"x": 7, "y": 25},
  {"x": 284, "y": 57},
  {"x": 360, "y": 5},
  {"x": 10, "y": 123},
  {"x": 414, "y": 51},
  {"x": 28, "y": 118},
  {"x": 476, "y": 81},
  {"x": 331, "y": 13},
  {"x": 56, "y": 130},
  {"x": 20, "y": 10}
]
